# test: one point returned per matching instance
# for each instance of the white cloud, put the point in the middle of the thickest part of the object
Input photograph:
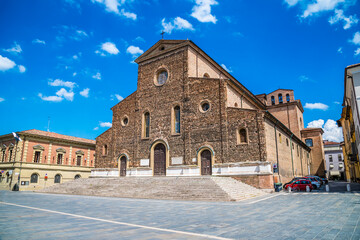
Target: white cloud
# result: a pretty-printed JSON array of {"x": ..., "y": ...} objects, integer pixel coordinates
[
  {"x": 85, "y": 92},
  {"x": 6, "y": 64},
  {"x": 23, "y": 98},
  {"x": 97, "y": 76},
  {"x": 227, "y": 69},
  {"x": 70, "y": 32},
  {"x": 202, "y": 11},
  {"x": 331, "y": 131},
  {"x": 61, "y": 83},
  {"x": 336, "y": 102},
  {"x": 356, "y": 39},
  {"x": 113, "y": 6},
  {"x": 96, "y": 128},
  {"x": 68, "y": 95},
  {"x": 128, "y": 14},
  {"x": 38, "y": 41},
  {"x": 22, "y": 69},
  {"x": 139, "y": 39},
  {"x": 109, "y": 48},
  {"x": 50, "y": 98},
  {"x": 74, "y": 74},
  {"x": 177, "y": 24},
  {"x": 339, "y": 16},
  {"x": 316, "y": 124},
  {"x": 319, "y": 106},
  {"x": 291, "y": 2},
  {"x": 340, "y": 50},
  {"x": 2, "y": 99},
  {"x": 16, "y": 49},
  {"x": 321, "y": 5},
  {"x": 105, "y": 124},
  {"x": 134, "y": 51},
  {"x": 357, "y": 52},
  {"x": 117, "y": 96}
]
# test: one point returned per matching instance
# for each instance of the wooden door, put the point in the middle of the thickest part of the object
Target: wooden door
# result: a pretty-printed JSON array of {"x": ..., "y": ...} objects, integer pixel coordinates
[
  {"x": 206, "y": 168},
  {"x": 123, "y": 166},
  {"x": 160, "y": 159},
  {"x": 78, "y": 160}
]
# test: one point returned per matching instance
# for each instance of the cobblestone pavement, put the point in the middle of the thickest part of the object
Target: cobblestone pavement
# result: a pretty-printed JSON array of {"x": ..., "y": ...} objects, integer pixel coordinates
[{"x": 27, "y": 215}]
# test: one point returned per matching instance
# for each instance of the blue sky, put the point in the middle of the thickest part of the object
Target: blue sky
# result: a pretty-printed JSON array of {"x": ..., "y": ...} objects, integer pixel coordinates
[{"x": 72, "y": 60}]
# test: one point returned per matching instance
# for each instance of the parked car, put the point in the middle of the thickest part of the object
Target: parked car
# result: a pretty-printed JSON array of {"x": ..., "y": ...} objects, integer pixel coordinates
[
  {"x": 300, "y": 185},
  {"x": 325, "y": 180},
  {"x": 315, "y": 183},
  {"x": 319, "y": 179},
  {"x": 294, "y": 179}
]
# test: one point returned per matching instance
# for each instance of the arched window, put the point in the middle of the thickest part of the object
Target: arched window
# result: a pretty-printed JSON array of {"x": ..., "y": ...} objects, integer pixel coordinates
[
  {"x": 287, "y": 142},
  {"x": 279, "y": 137},
  {"x": 146, "y": 125},
  {"x": 77, "y": 176},
  {"x": 3, "y": 156},
  {"x": 176, "y": 117},
  {"x": 206, "y": 75},
  {"x": 280, "y": 98},
  {"x": 34, "y": 178},
  {"x": 57, "y": 178},
  {"x": 287, "y": 98},
  {"x": 242, "y": 136},
  {"x": 272, "y": 100}
]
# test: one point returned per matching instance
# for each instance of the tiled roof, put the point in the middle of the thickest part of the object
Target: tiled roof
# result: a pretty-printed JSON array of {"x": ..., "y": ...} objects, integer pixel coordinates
[
  {"x": 60, "y": 136},
  {"x": 330, "y": 143}
]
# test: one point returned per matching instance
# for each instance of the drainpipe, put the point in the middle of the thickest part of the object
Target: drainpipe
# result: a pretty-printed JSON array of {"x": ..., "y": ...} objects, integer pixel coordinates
[
  {"x": 277, "y": 151},
  {"x": 292, "y": 159}
]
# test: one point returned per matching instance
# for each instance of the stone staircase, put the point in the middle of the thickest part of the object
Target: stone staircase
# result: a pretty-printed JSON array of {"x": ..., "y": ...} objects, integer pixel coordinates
[
  {"x": 237, "y": 190},
  {"x": 174, "y": 188}
]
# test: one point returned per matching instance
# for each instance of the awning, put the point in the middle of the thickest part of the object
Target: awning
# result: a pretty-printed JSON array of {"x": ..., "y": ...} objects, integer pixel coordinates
[{"x": 335, "y": 173}]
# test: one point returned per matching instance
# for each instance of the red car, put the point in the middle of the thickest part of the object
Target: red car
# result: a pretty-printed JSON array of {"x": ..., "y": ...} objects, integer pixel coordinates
[{"x": 299, "y": 185}]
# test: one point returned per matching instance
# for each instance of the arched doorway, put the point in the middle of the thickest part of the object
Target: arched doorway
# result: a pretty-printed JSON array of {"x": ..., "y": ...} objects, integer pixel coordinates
[
  {"x": 206, "y": 168},
  {"x": 123, "y": 166},
  {"x": 160, "y": 159}
]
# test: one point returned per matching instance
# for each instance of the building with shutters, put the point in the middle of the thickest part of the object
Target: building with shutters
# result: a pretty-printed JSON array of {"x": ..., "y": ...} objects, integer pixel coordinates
[
  {"x": 334, "y": 159},
  {"x": 43, "y": 158},
  {"x": 190, "y": 117}
]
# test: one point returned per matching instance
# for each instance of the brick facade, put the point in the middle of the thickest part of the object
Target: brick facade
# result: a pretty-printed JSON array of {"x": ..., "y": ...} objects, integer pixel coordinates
[{"x": 193, "y": 78}]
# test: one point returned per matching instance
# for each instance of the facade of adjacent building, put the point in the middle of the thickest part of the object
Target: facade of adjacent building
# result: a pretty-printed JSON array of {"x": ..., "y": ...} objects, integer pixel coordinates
[
  {"x": 350, "y": 122},
  {"x": 190, "y": 117},
  {"x": 334, "y": 159},
  {"x": 42, "y": 159}
]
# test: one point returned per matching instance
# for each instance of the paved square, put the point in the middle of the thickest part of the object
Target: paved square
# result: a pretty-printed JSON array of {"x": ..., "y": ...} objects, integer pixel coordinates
[{"x": 27, "y": 215}]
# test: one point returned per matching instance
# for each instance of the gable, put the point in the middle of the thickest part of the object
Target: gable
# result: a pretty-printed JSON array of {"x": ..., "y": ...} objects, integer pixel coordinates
[{"x": 161, "y": 47}]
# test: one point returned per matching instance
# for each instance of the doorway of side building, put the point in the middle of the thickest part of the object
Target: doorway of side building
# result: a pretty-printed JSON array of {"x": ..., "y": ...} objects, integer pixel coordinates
[
  {"x": 160, "y": 160},
  {"x": 123, "y": 166},
  {"x": 206, "y": 168}
]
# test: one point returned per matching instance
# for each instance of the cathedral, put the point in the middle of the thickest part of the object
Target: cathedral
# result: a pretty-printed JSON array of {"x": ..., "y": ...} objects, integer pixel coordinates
[{"x": 190, "y": 117}]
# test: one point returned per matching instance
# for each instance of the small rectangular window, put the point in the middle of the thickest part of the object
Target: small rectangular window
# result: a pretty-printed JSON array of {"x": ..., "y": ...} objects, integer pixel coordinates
[{"x": 309, "y": 142}]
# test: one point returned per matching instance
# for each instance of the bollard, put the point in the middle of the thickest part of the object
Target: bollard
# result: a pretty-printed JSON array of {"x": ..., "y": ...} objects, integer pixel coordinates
[
  {"x": 348, "y": 187},
  {"x": 327, "y": 188},
  {"x": 307, "y": 188},
  {"x": 289, "y": 189}
]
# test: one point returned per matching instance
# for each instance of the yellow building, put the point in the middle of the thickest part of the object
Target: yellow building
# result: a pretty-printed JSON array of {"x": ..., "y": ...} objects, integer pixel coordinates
[
  {"x": 36, "y": 159},
  {"x": 350, "y": 122}
]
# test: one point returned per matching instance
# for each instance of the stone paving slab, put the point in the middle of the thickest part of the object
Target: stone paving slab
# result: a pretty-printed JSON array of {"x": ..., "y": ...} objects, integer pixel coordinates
[{"x": 282, "y": 216}]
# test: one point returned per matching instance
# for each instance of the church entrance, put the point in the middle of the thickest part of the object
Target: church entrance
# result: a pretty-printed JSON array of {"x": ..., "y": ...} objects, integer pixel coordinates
[
  {"x": 206, "y": 168},
  {"x": 123, "y": 166},
  {"x": 160, "y": 160}
]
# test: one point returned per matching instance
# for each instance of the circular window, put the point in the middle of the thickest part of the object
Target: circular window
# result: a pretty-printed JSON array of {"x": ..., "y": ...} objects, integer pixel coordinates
[
  {"x": 204, "y": 106},
  {"x": 161, "y": 77},
  {"x": 125, "y": 121}
]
